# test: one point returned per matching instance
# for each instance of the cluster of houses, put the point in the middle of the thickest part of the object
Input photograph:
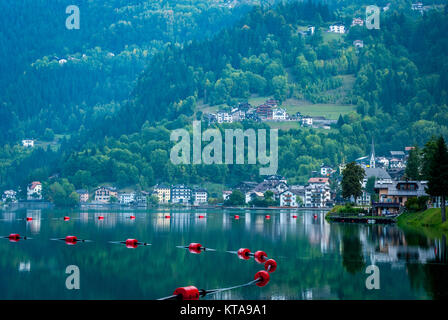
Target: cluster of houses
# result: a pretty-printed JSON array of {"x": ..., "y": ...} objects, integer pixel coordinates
[
  {"x": 268, "y": 111},
  {"x": 315, "y": 194},
  {"x": 392, "y": 189},
  {"x": 165, "y": 194}
]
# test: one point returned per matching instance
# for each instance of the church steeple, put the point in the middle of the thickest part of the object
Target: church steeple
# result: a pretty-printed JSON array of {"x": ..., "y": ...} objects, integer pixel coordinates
[{"x": 372, "y": 155}]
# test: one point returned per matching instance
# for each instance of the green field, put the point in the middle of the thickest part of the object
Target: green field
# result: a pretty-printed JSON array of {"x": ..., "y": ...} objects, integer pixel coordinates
[
  {"x": 329, "y": 36},
  {"x": 292, "y": 106},
  {"x": 329, "y": 111}
]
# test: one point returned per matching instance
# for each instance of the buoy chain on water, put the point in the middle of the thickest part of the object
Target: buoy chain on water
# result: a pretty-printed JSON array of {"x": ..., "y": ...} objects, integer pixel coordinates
[{"x": 261, "y": 278}]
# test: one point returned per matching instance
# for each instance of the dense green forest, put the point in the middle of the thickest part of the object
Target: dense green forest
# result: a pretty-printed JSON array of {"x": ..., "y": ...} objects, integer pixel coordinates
[
  {"x": 400, "y": 92},
  {"x": 103, "y": 58}
]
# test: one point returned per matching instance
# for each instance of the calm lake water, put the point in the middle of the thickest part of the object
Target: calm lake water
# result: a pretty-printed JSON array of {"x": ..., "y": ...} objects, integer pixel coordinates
[{"x": 316, "y": 260}]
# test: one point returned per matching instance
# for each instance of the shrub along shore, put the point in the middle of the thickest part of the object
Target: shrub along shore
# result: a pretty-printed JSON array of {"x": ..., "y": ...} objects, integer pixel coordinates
[{"x": 429, "y": 220}]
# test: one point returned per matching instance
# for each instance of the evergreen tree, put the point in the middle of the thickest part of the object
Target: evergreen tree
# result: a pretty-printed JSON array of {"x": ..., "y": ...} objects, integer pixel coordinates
[
  {"x": 413, "y": 165},
  {"x": 352, "y": 178},
  {"x": 438, "y": 174},
  {"x": 341, "y": 121}
]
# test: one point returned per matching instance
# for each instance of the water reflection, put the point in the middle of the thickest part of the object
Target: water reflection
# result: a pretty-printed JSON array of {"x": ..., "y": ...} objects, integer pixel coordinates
[{"x": 317, "y": 260}]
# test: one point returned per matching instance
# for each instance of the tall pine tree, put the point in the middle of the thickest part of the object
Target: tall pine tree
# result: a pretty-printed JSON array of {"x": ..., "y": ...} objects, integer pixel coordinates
[{"x": 438, "y": 174}]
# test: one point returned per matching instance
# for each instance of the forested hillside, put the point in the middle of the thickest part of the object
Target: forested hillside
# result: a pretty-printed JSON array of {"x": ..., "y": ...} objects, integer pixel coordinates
[
  {"x": 400, "y": 92},
  {"x": 53, "y": 77}
]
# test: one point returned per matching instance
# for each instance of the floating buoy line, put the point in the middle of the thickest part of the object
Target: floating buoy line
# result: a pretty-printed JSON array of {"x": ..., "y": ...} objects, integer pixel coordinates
[{"x": 261, "y": 278}]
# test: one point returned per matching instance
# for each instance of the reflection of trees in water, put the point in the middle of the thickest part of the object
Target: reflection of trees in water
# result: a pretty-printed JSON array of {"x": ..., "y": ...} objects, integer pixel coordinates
[
  {"x": 436, "y": 272},
  {"x": 352, "y": 257},
  {"x": 432, "y": 276}
]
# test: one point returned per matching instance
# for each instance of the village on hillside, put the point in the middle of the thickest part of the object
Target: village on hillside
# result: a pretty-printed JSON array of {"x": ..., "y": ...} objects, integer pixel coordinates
[{"x": 323, "y": 190}]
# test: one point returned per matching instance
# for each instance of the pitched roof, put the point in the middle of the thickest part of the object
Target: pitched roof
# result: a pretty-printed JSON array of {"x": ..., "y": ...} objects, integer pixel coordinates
[
  {"x": 378, "y": 173},
  {"x": 318, "y": 180},
  {"x": 33, "y": 184}
]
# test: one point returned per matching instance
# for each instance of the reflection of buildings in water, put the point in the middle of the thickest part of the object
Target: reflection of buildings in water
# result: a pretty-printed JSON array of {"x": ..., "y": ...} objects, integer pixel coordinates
[
  {"x": 247, "y": 222},
  {"x": 318, "y": 230},
  {"x": 84, "y": 217},
  {"x": 9, "y": 215},
  {"x": 226, "y": 295},
  {"x": 307, "y": 294},
  {"x": 200, "y": 221},
  {"x": 403, "y": 254},
  {"x": 25, "y": 266},
  {"x": 225, "y": 220},
  {"x": 386, "y": 235},
  {"x": 125, "y": 217},
  {"x": 180, "y": 221},
  {"x": 384, "y": 243},
  {"x": 161, "y": 223},
  {"x": 279, "y": 297},
  {"x": 259, "y": 223},
  {"x": 109, "y": 221},
  {"x": 323, "y": 293},
  {"x": 35, "y": 224}
]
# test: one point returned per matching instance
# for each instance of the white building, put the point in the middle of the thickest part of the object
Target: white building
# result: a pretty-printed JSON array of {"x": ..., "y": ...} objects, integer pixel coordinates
[
  {"x": 357, "y": 22},
  {"x": 224, "y": 117},
  {"x": 126, "y": 198},
  {"x": 199, "y": 196},
  {"x": 180, "y": 194},
  {"x": 288, "y": 199},
  {"x": 337, "y": 28},
  {"x": 34, "y": 191},
  {"x": 279, "y": 114},
  {"x": 307, "y": 121},
  {"x": 317, "y": 196},
  {"x": 28, "y": 143},
  {"x": 238, "y": 115},
  {"x": 396, "y": 163},
  {"x": 363, "y": 200},
  {"x": 9, "y": 195},
  {"x": 226, "y": 194}
]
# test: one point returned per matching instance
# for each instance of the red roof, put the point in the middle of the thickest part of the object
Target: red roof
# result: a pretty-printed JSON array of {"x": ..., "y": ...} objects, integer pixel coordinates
[
  {"x": 318, "y": 180},
  {"x": 34, "y": 184}
]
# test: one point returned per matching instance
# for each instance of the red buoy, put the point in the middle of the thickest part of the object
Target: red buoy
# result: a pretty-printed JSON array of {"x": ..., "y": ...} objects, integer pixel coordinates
[
  {"x": 131, "y": 243},
  {"x": 243, "y": 253},
  {"x": 267, "y": 216},
  {"x": 71, "y": 239},
  {"x": 167, "y": 216},
  {"x": 264, "y": 278},
  {"x": 195, "y": 248},
  {"x": 294, "y": 217},
  {"x": 315, "y": 216},
  {"x": 187, "y": 293},
  {"x": 14, "y": 237},
  {"x": 29, "y": 218},
  {"x": 100, "y": 218},
  {"x": 260, "y": 256},
  {"x": 201, "y": 217},
  {"x": 236, "y": 217},
  {"x": 270, "y": 265},
  {"x": 132, "y": 217},
  {"x": 66, "y": 218}
]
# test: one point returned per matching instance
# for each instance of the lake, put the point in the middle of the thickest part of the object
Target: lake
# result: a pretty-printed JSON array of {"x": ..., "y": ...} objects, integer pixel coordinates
[{"x": 316, "y": 260}]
